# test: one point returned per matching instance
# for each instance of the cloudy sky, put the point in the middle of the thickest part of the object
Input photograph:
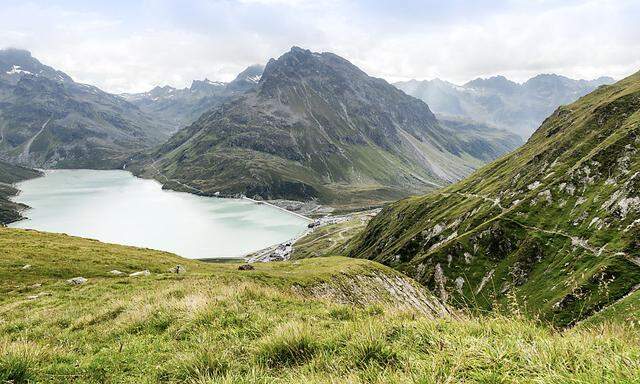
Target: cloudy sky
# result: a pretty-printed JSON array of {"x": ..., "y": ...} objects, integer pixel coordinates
[{"x": 129, "y": 46}]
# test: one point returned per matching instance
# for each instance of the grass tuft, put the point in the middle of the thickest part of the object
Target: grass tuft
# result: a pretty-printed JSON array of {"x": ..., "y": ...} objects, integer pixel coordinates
[
  {"x": 373, "y": 349},
  {"x": 291, "y": 345},
  {"x": 17, "y": 362},
  {"x": 202, "y": 365},
  {"x": 342, "y": 313}
]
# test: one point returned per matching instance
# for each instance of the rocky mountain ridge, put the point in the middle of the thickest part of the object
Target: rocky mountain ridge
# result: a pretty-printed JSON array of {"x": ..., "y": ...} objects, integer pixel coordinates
[
  {"x": 178, "y": 108},
  {"x": 317, "y": 127},
  {"x": 500, "y": 102},
  {"x": 48, "y": 120}
]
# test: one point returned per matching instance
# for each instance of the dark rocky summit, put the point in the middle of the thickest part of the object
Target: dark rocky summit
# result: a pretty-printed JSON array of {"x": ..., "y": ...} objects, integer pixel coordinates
[{"x": 317, "y": 127}]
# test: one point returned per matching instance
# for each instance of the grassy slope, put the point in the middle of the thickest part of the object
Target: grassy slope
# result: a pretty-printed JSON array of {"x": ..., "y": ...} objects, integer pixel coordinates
[
  {"x": 551, "y": 224},
  {"x": 329, "y": 239},
  {"x": 625, "y": 311},
  {"x": 217, "y": 324},
  {"x": 10, "y": 174},
  {"x": 319, "y": 128}
]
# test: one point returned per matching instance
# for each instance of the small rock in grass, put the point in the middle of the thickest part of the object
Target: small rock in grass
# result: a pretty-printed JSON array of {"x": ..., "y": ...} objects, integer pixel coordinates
[
  {"x": 246, "y": 267},
  {"x": 77, "y": 281},
  {"x": 41, "y": 294},
  {"x": 28, "y": 266},
  {"x": 36, "y": 285},
  {"x": 115, "y": 272},
  {"x": 141, "y": 273},
  {"x": 178, "y": 269}
]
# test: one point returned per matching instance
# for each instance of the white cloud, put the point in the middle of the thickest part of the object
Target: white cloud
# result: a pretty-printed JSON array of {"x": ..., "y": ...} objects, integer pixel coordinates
[{"x": 133, "y": 48}]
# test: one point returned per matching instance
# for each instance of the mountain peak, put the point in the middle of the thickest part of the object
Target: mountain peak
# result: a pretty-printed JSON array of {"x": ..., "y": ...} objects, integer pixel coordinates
[
  {"x": 15, "y": 52},
  {"x": 495, "y": 82},
  {"x": 252, "y": 73},
  {"x": 205, "y": 85},
  {"x": 247, "y": 79},
  {"x": 299, "y": 51},
  {"x": 302, "y": 65},
  {"x": 318, "y": 127},
  {"x": 16, "y": 63}
]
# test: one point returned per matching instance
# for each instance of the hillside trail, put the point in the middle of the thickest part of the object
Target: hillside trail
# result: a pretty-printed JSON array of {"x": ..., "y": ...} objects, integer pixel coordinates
[{"x": 575, "y": 241}]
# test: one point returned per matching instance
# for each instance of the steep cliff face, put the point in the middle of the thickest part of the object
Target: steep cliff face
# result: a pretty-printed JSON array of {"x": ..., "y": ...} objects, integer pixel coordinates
[
  {"x": 316, "y": 126},
  {"x": 553, "y": 225}
]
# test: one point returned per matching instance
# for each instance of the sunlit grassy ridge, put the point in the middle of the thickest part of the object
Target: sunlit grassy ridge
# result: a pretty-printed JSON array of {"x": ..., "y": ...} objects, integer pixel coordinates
[
  {"x": 215, "y": 324},
  {"x": 554, "y": 223}
]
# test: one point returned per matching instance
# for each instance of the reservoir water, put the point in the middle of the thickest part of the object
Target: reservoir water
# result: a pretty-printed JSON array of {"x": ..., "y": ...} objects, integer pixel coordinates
[{"x": 116, "y": 207}]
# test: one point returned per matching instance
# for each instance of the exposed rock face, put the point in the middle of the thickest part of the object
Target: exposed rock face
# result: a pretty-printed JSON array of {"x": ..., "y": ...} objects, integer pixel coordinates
[
  {"x": 379, "y": 287},
  {"x": 317, "y": 127},
  {"x": 48, "y": 120},
  {"x": 519, "y": 108},
  {"x": 553, "y": 226}
]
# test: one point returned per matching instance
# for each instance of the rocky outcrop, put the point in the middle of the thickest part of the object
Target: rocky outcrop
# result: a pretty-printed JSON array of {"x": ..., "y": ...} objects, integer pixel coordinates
[
  {"x": 77, "y": 281},
  {"x": 378, "y": 287},
  {"x": 140, "y": 273}
]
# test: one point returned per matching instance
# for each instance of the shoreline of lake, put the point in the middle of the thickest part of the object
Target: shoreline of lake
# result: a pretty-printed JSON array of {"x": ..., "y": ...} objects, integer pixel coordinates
[{"x": 215, "y": 220}]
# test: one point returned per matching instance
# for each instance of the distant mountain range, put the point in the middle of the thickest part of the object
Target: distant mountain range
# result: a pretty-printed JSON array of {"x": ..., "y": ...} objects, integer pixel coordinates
[
  {"x": 519, "y": 108},
  {"x": 552, "y": 228},
  {"x": 48, "y": 120},
  {"x": 180, "y": 107},
  {"x": 317, "y": 127}
]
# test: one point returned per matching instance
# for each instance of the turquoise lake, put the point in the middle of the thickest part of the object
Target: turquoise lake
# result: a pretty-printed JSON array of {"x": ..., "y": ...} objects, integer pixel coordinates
[{"x": 116, "y": 207}]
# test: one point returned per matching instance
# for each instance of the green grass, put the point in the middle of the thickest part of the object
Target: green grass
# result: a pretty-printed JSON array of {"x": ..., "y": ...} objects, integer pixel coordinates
[
  {"x": 517, "y": 228},
  {"x": 330, "y": 239},
  {"x": 216, "y": 324}
]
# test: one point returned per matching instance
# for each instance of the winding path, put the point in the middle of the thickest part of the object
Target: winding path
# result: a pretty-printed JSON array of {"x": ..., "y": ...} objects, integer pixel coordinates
[{"x": 575, "y": 241}]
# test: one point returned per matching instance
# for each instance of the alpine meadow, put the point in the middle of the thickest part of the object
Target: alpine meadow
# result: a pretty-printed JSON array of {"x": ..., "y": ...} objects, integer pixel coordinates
[{"x": 319, "y": 192}]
